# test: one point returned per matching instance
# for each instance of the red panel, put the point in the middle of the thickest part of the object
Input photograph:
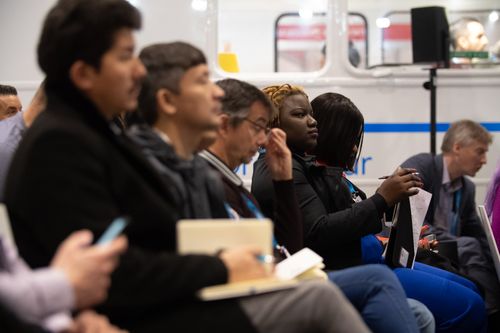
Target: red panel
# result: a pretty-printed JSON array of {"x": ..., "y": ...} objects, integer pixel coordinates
[
  {"x": 357, "y": 32},
  {"x": 398, "y": 32},
  {"x": 301, "y": 32},
  {"x": 316, "y": 32}
]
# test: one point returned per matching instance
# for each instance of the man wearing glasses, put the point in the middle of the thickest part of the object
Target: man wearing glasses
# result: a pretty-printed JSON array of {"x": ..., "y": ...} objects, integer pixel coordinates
[{"x": 245, "y": 116}]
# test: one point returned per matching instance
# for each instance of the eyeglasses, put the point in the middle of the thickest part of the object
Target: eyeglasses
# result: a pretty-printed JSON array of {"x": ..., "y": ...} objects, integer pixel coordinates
[{"x": 258, "y": 127}]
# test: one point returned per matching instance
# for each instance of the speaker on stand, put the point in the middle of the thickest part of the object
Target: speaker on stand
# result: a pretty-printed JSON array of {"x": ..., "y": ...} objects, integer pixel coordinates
[{"x": 431, "y": 44}]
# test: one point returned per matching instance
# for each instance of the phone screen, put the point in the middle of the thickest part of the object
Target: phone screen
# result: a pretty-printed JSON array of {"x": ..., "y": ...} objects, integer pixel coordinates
[{"x": 114, "y": 229}]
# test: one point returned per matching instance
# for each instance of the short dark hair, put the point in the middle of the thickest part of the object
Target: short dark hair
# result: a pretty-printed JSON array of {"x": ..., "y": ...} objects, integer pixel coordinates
[
  {"x": 81, "y": 30},
  {"x": 339, "y": 125},
  {"x": 239, "y": 97},
  {"x": 166, "y": 63},
  {"x": 6, "y": 90}
]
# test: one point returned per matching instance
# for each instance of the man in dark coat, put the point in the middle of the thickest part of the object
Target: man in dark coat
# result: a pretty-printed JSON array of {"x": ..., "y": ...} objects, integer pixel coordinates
[
  {"x": 452, "y": 211},
  {"x": 182, "y": 105},
  {"x": 176, "y": 113},
  {"x": 74, "y": 169}
]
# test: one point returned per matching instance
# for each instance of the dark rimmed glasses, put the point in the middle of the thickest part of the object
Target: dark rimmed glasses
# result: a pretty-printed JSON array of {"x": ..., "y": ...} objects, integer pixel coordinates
[{"x": 258, "y": 127}]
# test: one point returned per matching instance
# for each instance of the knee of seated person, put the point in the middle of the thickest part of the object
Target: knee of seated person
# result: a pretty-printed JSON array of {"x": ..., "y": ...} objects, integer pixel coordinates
[
  {"x": 467, "y": 241},
  {"x": 380, "y": 272},
  {"x": 469, "y": 246},
  {"x": 424, "y": 317},
  {"x": 476, "y": 308},
  {"x": 317, "y": 288}
]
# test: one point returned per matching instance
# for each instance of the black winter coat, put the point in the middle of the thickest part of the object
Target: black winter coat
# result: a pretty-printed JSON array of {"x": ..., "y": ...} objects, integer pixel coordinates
[
  {"x": 72, "y": 171},
  {"x": 197, "y": 190},
  {"x": 333, "y": 225}
]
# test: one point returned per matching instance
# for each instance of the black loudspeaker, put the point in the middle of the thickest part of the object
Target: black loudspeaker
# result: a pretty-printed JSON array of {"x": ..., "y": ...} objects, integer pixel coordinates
[{"x": 430, "y": 35}]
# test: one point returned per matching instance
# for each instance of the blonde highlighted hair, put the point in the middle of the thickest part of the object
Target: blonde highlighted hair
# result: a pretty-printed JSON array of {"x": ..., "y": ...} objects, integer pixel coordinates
[{"x": 277, "y": 95}]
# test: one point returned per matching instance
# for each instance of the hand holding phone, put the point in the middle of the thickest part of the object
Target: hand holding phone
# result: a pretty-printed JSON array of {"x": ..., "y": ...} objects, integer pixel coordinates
[
  {"x": 114, "y": 229},
  {"x": 88, "y": 268}
]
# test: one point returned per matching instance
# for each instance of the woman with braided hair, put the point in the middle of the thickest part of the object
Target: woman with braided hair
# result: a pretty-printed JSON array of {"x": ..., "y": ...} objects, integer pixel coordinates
[{"x": 335, "y": 220}]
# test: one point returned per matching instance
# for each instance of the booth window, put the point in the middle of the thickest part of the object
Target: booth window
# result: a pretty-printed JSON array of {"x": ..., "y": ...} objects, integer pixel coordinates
[
  {"x": 396, "y": 38},
  {"x": 300, "y": 45},
  {"x": 262, "y": 36}
]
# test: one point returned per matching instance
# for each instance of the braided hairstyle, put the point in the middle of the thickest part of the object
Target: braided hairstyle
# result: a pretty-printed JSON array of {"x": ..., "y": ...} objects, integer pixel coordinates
[{"x": 277, "y": 95}]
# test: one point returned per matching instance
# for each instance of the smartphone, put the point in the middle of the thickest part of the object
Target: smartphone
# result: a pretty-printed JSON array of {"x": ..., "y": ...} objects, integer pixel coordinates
[{"x": 114, "y": 229}]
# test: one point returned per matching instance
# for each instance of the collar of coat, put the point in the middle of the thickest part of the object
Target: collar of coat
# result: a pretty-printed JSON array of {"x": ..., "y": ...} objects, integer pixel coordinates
[{"x": 216, "y": 162}]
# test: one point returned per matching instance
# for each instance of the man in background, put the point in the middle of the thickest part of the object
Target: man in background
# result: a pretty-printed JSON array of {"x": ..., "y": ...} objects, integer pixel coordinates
[
  {"x": 10, "y": 104},
  {"x": 452, "y": 212},
  {"x": 467, "y": 34},
  {"x": 12, "y": 131}
]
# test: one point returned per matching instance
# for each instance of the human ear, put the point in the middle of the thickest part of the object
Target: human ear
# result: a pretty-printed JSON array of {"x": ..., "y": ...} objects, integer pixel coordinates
[
  {"x": 462, "y": 43},
  {"x": 225, "y": 126},
  {"x": 456, "y": 148},
  {"x": 165, "y": 102},
  {"x": 82, "y": 75}
]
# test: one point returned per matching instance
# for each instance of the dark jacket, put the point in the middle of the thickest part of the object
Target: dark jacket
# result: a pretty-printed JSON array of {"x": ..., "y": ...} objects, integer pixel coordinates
[
  {"x": 72, "y": 171},
  {"x": 286, "y": 217},
  {"x": 430, "y": 170},
  {"x": 333, "y": 225},
  {"x": 196, "y": 189}
]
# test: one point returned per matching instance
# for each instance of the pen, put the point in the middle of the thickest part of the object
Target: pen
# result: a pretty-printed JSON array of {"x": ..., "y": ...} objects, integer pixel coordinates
[
  {"x": 385, "y": 177},
  {"x": 265, "y": 258},
  {"x": 282, "y": 249}
]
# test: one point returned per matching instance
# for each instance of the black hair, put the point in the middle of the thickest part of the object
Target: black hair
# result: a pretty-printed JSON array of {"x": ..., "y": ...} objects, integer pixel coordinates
[
  {"x": 340, "y": 128},
  {"x": 239, "y": 97},
  {"x": 81, "y": 30},
  {"x": 166, "y": 63},
  {"x": 6, "y": 90}
]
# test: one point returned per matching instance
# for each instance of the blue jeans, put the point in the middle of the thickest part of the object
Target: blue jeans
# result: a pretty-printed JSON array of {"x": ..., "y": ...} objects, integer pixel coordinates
[
  {"x": 376, "y": 293},
  {"x": 454, "y": 301},
  {"x": 424, "y": 316},
  {"x": 456, "y": 308}
]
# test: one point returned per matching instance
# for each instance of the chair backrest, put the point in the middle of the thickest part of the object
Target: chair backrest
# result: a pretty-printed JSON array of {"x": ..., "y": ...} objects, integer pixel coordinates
[{"x": 485, "y": 221}]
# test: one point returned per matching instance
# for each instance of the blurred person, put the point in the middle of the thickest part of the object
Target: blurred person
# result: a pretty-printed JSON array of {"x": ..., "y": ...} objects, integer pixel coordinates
[
  {"x": 467, "y": 34},
  {"x": 10, "y": 104},
  {"x": 170, "y": 128},
  {"x": 182, "y": 106},
  {"x": 353, "y": 55},
  {"x": 76, "y": 169},
  {"x": 78, "y": 277},
  {"x": 13, "y": 129},
  {"x": 492, "y": 204},
  {"x": 495, "y": 51}
]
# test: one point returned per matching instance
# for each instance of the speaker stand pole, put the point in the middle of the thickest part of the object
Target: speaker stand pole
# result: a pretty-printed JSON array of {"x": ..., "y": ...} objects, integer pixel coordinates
[{"x": 431, "y": 86}]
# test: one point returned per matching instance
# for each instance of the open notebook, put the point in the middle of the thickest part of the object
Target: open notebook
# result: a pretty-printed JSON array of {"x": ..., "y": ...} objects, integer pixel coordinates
[
  {"x": 209, "y": 236},
  {"x": 485, "y": 221}
]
